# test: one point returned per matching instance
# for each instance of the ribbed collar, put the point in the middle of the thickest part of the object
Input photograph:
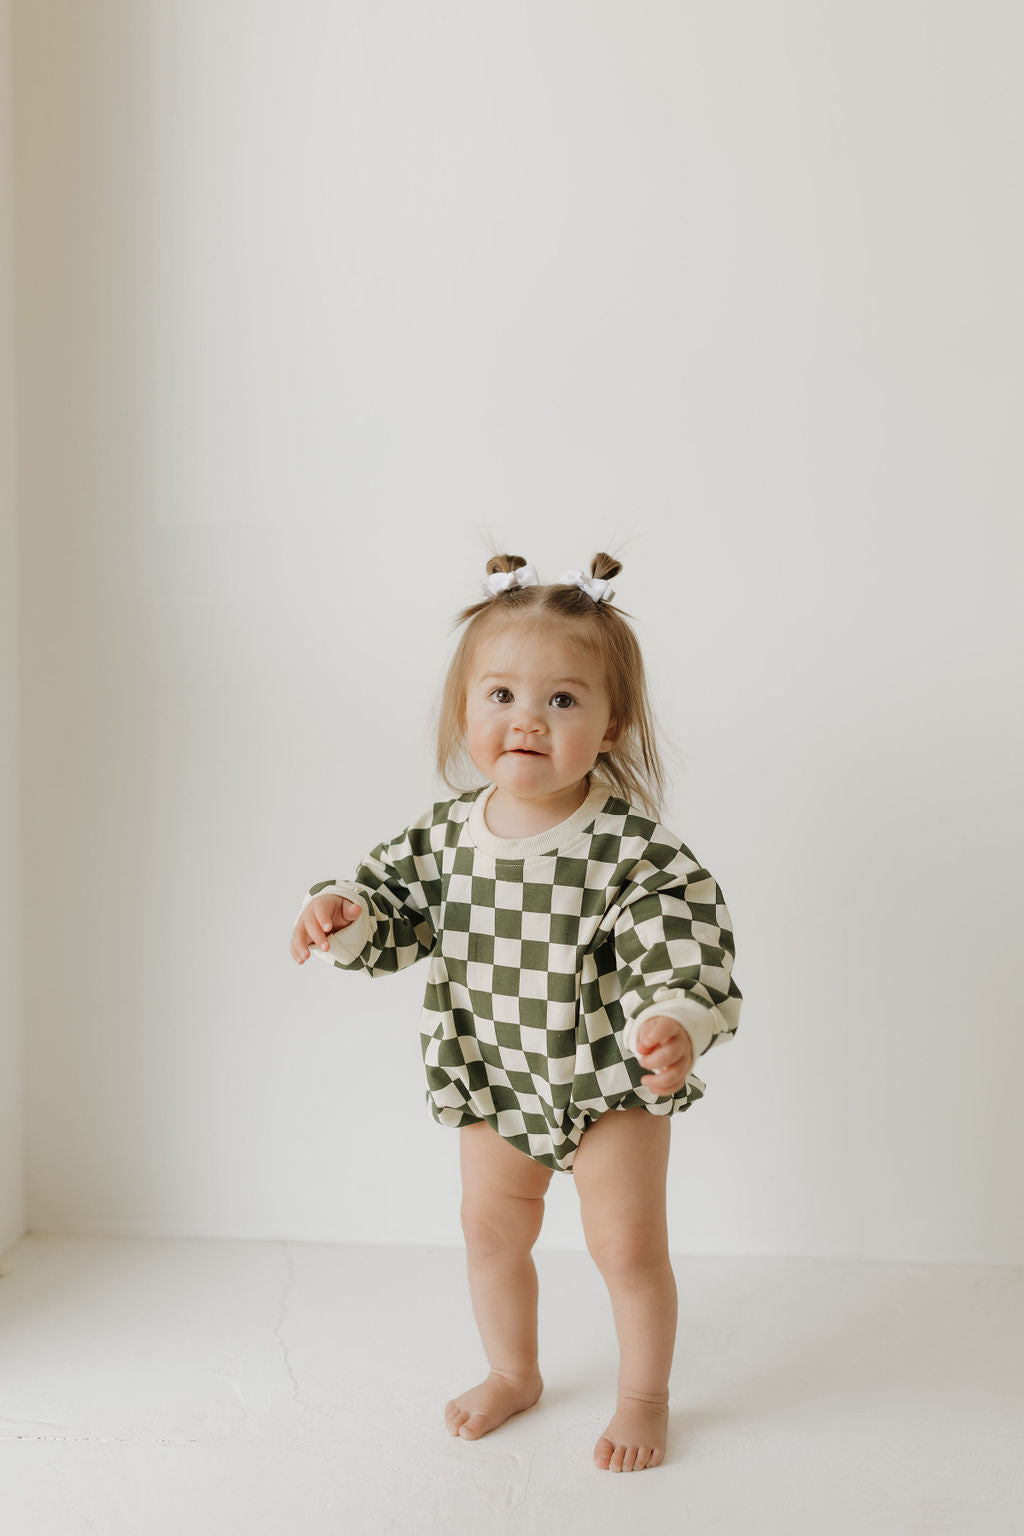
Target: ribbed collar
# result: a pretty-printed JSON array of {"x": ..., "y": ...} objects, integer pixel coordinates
[{"x": 549, "y": 841}]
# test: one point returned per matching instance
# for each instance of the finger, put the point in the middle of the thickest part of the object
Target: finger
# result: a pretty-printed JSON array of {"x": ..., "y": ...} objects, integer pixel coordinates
[
  {"x": 316, "y": 930},
  {"x": 675, "y": 1050},
  {"x": 659, "y": 1055},
  {"x": 675, "y": 1073},
  {"x": 299, "y": 946},
  {"x": 648, "y": 1050},
  {"x": 655, "y": 1033},
  {"x": 668, "y": 1078},
  {"x": 307, "y": 932},
  {"x": 663, "y": 1085},
  {"x": 323, "y": 911},
  {"x": 338, "y": 912}
]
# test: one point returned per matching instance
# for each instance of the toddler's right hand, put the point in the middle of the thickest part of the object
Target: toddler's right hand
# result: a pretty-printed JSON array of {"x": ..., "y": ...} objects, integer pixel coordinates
[{"x": 317, "y": 919}]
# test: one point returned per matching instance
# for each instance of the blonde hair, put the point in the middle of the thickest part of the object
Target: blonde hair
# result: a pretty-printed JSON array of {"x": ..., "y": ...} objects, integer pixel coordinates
[{"x": 632, "y": 766}]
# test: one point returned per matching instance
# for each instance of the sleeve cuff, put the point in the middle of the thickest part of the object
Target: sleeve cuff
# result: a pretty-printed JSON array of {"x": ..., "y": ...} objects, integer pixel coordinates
[
  {"x": 696, "y": 1019},
  {"x": 347, "y": 943}
]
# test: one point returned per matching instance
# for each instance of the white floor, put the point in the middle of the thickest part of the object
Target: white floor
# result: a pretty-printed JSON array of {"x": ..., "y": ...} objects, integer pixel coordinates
[{"x": 292, "y": 1389}]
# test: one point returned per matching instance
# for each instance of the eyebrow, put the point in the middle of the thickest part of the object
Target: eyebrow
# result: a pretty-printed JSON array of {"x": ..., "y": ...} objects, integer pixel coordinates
[{"x": 577, "y": 682}]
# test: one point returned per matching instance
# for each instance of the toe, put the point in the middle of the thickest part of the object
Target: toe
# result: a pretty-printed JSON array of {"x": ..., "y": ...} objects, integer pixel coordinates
[
  {"x": 656, "y": 1456},
  {"x": 629, "y": 1459},
  {"x": 643, "y": 1456},
  {"x": 602, "y": 1452},
  {"x": 615, "y": 1465},
  {"x": 474, "y": 1426}
]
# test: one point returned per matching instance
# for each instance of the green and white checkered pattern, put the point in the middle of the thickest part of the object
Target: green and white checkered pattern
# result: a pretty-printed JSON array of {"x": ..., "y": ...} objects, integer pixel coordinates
[{"x": 542, "y": 969}]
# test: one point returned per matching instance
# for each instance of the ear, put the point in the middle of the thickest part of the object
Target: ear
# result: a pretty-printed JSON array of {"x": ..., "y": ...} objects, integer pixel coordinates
[{"x": 610, "y": 738}]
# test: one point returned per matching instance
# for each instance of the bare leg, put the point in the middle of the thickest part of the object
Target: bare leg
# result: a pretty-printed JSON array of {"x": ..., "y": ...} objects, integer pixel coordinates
[
  {"x": 620, "y": 1168},
  {"x": 502, "y": 1211}
]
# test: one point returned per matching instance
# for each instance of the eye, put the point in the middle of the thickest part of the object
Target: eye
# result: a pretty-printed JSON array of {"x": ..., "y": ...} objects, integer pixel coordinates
[
  {"x": 564, "y": 696},
  {"x": 500, "y": 690}
]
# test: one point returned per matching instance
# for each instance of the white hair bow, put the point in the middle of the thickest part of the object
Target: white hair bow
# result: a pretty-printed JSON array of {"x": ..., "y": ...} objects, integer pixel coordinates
[
  {"x": 500, "y": 581},
  {"x": 593, "y": 586}
]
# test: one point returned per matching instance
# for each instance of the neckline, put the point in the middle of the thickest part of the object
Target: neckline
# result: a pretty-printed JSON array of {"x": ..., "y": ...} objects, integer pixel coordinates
[{"x": 548, "y": 841}]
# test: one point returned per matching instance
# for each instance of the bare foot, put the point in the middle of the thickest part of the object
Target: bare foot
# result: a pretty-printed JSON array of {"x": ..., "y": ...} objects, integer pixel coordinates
[
  {"x": 635, "y": 1438},
  {"x": 482, "y": 1408}
]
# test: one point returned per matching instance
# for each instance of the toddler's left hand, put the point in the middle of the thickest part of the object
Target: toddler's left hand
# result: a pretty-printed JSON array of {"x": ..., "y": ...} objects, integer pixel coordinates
[{"x": 664, "y": 1047}]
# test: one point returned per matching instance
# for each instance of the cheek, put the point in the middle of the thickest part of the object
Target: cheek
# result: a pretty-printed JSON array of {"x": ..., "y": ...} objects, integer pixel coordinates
[
  {"x": 479, "y": 728},
  {"x": 576, "y": 736},
  {"x": 581, "y": 727}
]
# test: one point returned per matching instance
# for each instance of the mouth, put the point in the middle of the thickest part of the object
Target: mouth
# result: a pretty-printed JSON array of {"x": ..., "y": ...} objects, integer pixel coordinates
[{"x": 525, "y": 752}]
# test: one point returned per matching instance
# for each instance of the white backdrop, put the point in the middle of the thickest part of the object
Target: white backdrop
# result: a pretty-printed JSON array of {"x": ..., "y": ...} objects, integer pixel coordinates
[
  {"x": 12, "y": 1000},
  {"x": 310, "y": 300}
]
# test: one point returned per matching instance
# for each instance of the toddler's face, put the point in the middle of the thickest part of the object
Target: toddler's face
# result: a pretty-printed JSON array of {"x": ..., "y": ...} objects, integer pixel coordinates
[{"x": 537, "y": 712}]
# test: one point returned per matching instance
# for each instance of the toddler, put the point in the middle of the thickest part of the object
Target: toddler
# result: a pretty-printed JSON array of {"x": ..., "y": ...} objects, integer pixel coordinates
[{"x": 580, "y": 960}]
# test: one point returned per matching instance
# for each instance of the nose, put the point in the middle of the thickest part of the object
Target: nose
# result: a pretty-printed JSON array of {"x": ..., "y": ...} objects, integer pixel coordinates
[{"x": 527, "y": 721}]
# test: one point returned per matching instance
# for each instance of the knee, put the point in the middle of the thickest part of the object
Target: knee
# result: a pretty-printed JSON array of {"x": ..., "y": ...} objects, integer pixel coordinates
[
  {"x": 626, "y": 1253},
  {"x": 511, "y": 1225}
]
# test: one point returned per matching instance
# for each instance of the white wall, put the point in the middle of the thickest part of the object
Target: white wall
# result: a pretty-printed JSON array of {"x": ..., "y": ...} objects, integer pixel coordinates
[
  {"x": 311, "y": 298},
  {"x": 12, "y": 1009}
]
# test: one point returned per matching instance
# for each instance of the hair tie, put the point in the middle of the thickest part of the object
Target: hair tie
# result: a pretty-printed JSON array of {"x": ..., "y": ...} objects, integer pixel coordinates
[
  {"x": 501, "y": 581},
  {"x": 593, "y": 586}
]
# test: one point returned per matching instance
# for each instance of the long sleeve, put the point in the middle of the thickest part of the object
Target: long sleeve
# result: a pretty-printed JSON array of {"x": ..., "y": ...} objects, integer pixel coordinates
[
  {"x": 675, "y": 950},
  {"x": 398, "y": 887}
]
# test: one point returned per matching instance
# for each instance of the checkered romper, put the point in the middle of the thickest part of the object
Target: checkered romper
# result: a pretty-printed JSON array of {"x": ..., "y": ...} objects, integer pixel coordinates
[{"x": 546, "y": 954}]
